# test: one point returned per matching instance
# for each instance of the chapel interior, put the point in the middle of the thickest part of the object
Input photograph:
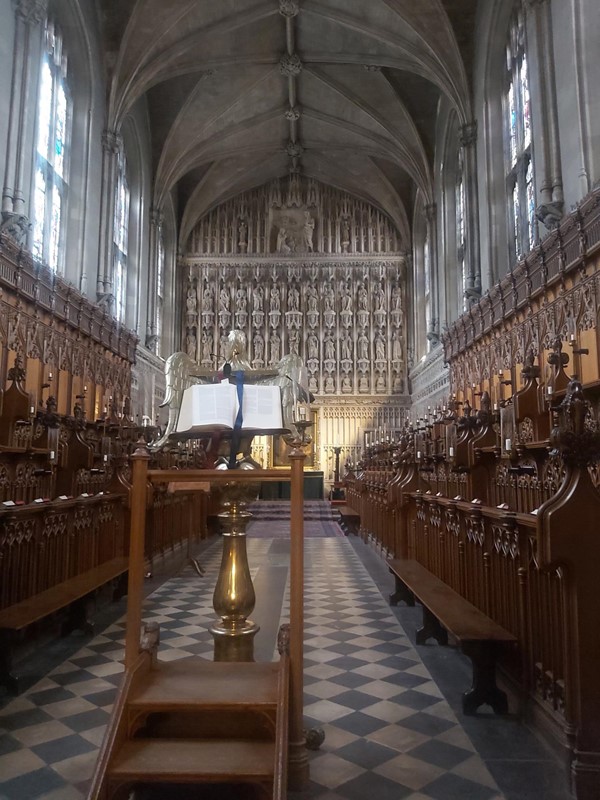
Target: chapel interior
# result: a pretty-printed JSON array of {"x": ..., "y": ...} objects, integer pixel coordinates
[{"x": 391, "y": 210}]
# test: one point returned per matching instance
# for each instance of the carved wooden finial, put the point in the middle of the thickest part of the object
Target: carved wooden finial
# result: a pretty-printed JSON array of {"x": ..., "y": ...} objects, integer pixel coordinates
[
  {"x": 574, "y": 438},
  {"x": 283, "y": 639},
  {"x": 16, "y": 373},
  {"x": 530, "y": 370}
]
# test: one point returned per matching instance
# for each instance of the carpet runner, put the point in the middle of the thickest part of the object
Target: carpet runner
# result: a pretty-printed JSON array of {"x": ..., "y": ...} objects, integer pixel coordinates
[{"x": 271, "y": 519}]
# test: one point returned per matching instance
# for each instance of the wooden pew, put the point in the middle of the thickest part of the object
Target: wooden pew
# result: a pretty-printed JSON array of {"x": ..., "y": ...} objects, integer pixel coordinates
[
  {"x": 349, "y": 519},
  {"x": 75, "y": 593},
  {"x": 445, "y": 611}
]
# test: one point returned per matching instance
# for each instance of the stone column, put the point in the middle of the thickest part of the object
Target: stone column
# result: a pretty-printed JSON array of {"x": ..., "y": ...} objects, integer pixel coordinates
[
  {"x": 111, "y": 147},
  {"x": 28, "y": 16},
  {"x": 545, "y": 121},
  {"x": 433, "y": 336},
  {"x": 468, "y": 141},
  {"x": 151, "y": 305}
]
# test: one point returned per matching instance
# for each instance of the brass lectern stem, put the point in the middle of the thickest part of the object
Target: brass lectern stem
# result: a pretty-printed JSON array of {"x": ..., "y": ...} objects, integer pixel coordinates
[{"x": 234, "y": 597}]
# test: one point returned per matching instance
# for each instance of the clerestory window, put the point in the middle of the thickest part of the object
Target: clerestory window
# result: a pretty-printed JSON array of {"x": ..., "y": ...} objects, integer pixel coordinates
[
  {"x": 51, "y": 182},
  {"x": 121, "y": 232},
  {"x": 518, "y": 154}
]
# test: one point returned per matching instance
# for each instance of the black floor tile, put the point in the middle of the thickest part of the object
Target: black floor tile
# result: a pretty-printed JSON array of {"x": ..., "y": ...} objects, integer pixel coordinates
[
  {"x": 32, "y": 785},
  {"x": 371, "y": 785},
  {"x": 59, "y": 749}
]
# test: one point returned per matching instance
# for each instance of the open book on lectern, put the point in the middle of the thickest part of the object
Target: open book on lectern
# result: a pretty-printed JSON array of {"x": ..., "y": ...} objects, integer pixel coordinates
[{"x": 215, "y": 406}]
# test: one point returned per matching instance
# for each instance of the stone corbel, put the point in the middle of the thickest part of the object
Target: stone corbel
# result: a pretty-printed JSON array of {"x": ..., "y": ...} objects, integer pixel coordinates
[
  {"x": 151, "y": 342},
  {"x": 106, "y": 302},
  {"x": 550, "y": 214},
  {"x": 17, "y": 226},
  {"x": 433, "y": 335}
]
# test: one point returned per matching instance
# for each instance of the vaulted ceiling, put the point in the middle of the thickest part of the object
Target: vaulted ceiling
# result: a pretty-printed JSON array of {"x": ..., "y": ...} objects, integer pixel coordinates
[{"x": 241, "y": 91}]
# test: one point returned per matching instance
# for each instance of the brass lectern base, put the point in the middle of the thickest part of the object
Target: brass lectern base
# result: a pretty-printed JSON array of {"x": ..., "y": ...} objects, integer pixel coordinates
[{"x": 234, "y": 644}]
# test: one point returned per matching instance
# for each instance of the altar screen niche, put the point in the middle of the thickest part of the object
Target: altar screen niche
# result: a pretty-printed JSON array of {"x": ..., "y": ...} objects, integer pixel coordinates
[{"x": 214, "y": 407}]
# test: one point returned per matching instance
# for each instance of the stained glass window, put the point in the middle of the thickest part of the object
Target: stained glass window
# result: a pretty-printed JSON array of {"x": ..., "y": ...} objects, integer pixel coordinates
[
  {"x": 530, "y": 203},
  {"x": 519, "y": 166},
  {"x": 120, "y": 233},
  {"x": 52, "y": 146}
]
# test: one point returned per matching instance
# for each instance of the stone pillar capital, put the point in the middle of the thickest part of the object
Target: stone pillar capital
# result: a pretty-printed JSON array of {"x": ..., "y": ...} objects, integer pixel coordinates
[
  {"x": 112, "y": 141},
  {"x": 32, "y": 12},
  {"x": 430, "y": 212},
  {"x": 468, "y": 134},
  {"x": 156, "y": 217}
]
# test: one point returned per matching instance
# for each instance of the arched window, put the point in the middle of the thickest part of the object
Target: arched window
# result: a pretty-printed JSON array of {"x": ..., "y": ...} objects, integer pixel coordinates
[
  {"x": 460, "y": 230},
  {"x": 121, "y": 233},
  {"x": 160, "y": 290},
  {"x": 427, "y": 286},
  {"x": 517, "y": 130},
  {"x": 52, "y": 153}
]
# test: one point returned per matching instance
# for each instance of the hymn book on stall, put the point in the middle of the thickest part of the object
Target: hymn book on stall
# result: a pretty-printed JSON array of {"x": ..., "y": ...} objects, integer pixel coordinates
[{"x": 215, "y": 406}]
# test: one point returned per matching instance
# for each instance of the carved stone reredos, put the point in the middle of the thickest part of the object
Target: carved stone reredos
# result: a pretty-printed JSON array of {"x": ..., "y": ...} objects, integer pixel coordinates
[{"x": 293, "y": 216}]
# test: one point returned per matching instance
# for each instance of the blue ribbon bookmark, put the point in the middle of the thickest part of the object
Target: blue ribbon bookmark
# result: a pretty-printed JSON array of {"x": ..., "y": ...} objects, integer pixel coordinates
[{"x": 237, "y": 427}]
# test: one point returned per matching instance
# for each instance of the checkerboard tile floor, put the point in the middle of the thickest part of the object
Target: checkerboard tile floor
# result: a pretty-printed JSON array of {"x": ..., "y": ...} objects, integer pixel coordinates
[{"x": 389, "y": 732}]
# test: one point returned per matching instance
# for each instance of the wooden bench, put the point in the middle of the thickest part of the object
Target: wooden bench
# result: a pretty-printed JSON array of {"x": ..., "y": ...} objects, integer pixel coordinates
[
  {"x": 349, "y": 519},
  {"x": 445, "y": 611},
  {"x": 73, "y": 593}
]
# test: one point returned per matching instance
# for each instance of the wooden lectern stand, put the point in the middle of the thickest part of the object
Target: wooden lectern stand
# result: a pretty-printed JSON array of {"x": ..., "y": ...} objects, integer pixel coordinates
[{"x": 197, "y": 721}]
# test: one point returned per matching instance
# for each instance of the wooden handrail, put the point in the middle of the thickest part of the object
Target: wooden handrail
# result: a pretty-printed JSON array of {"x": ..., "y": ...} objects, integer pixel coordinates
[
  {"x": 135, "y": 586},
  {"x": 217, "y": 475}
]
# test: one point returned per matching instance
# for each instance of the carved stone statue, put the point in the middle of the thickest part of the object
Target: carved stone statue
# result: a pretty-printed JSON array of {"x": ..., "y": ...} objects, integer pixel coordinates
[
  {"x": 312, "y": 300},
  {"x": 309, "y": 230},
  {"x": 257, "y": 298},
  {"x": 206, "y": 347},
  {"x": 275, "y": 299},
  {"x": 363, "y": 298},
  {"x": 345, "y": 234},
  {"x": 329, "y": 349},
  {"x": 282, "y": 246},
  {"x": 224, "y": 299},
  {"x": 190, "y": 301},
  {"x": 258, "y": 344},
  {"x": 207, "y": 299},
  {"x": 241, "y": 301},
  {"x": 347, "y": 347},
  {"x": 294, "y": 339},
  {"x": 363, "y": 347},
  {"x": 190, "y": 340},
  {"x": 275, "y": 347},
  {"x": 293, "y": 298},
  {"x": 243, "y": 235}
]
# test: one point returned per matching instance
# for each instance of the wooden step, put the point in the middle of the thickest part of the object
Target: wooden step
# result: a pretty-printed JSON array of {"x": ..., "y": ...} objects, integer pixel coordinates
[
  {"x": 189, "y": 761},
  {"x": 195, "y": 683}
]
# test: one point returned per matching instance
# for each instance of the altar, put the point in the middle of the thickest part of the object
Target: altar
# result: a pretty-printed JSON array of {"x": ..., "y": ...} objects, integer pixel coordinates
[{"x": 280, "y": 490}]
